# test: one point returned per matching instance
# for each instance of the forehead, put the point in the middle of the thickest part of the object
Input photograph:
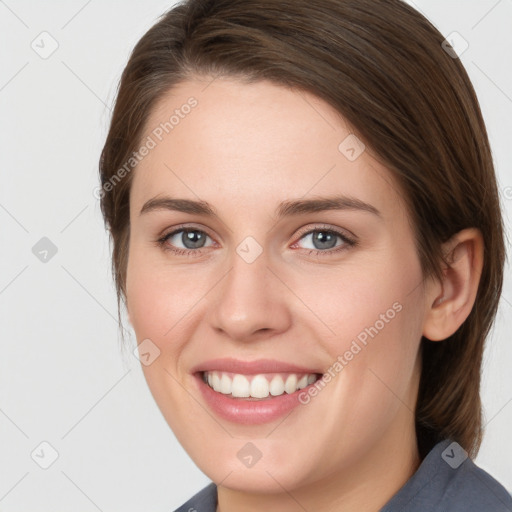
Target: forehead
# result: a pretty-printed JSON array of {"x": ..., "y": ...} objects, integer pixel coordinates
[{"x": 255, "y": 144}]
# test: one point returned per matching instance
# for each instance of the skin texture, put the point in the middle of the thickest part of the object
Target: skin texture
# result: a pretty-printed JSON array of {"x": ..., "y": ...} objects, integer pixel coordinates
[{"x": 245, "y": 148}]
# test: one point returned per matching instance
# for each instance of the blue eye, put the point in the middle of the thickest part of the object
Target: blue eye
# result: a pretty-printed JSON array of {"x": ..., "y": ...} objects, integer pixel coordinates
[
  {"x": 325, "y": 241},
  {"x": 192, "y": 239}
]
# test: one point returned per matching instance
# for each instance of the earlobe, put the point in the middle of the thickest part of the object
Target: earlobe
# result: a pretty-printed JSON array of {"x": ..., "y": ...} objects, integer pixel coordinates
[{"x": 448, "y": 309}]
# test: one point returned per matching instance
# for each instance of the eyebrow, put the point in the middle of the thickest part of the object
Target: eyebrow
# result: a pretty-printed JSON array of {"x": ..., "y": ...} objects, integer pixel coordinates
[{"x": 285, "y": 209}]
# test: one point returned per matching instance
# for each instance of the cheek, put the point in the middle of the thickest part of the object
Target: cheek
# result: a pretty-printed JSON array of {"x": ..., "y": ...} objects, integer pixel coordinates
[
  {"x": 373, "y": 318},
  {"x": 144, "y": 303},
  {"x": 382, "y": 373},
  {"x": 352, "y": 300},
  {"x": 158, "y": 308},
  {"x": 153, "y": 299},
  {"x": 164, "y": 303}
]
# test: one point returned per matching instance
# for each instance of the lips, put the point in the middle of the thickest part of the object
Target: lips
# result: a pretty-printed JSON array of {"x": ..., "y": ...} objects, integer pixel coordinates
[
  {"x": 261, "y": 404},
  {"x": 252, "y": 367}
]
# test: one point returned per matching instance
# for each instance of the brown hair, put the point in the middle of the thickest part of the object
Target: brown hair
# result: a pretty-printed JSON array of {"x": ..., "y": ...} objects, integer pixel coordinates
[{"x": 381, "y": 65}]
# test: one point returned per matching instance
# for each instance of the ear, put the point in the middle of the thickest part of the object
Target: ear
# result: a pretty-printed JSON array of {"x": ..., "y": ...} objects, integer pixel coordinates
[{"x": 450, "y": 301}]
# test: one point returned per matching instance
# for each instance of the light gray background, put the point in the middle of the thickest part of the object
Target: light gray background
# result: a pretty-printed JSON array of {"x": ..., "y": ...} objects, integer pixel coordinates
[{"x": 63, "y": 377}]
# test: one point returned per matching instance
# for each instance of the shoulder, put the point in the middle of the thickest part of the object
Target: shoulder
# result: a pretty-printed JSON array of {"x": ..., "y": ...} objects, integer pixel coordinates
[
  {"x": 473, "y": 489},
  {"x": 449, "y": 481},
  {"x": 204, "y": 501}
]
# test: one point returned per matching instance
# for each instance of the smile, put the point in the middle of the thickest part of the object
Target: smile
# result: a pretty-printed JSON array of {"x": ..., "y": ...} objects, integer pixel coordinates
[
  {"x": 259, "y": 386},
  {"x": 253, "y": 392}
]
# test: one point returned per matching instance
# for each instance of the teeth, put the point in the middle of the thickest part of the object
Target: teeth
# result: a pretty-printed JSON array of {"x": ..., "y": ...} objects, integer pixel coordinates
[
  {"x": 276, "y": 386},
  {"x": 290, "y": 385},
  {"x": 225, "y": 384},
  {"x": 303, "y": 382},
  {"x": 240, "y": 386},
  {"x": 257, "y": 386},
  {"x": 215, "y": 383}
]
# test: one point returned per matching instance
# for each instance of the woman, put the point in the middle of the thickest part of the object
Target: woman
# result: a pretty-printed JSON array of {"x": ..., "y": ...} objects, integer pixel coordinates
[{"x": 308, "y": 242}]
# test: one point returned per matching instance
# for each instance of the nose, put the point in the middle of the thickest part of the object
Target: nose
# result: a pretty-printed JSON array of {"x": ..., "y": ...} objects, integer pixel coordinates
[{"x": 250, "y": 302}]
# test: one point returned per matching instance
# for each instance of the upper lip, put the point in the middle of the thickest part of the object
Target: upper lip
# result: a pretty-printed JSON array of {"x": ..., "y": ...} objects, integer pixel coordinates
[{"x": 232, "y": 365}]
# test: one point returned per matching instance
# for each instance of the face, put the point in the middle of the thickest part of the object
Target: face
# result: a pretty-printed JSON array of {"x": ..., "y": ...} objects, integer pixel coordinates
[{"x": 262, "y": 286}]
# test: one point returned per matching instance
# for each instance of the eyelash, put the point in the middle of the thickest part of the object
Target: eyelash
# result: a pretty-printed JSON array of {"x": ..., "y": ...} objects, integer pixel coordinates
[{"x": 348, "y": 242}]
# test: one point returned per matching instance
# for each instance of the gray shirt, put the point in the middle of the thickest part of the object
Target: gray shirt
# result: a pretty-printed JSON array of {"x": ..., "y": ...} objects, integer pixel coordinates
[{"x": 446, "y": 481}]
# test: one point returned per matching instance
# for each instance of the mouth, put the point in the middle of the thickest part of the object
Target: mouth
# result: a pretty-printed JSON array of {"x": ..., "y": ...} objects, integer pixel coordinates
[
  {"x": 262, "y": 386},
  {"x": 253, "y": 398}
]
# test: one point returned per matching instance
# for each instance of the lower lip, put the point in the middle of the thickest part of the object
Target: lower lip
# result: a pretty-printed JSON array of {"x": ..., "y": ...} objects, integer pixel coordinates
[{"x": 249, "y": 412}]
